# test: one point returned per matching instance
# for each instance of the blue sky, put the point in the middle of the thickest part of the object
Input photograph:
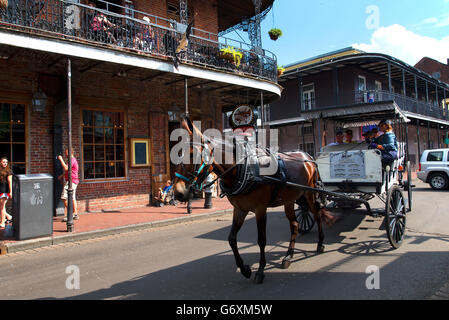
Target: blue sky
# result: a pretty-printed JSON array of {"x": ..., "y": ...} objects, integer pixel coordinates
[{"x": 405, "y": 29}]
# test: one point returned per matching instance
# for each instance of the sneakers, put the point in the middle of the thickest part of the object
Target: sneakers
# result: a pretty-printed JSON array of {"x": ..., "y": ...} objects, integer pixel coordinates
[{"x": 75, "y": 217}]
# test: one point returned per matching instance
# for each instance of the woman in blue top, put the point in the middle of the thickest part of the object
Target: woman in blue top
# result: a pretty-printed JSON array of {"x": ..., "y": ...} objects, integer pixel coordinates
[{"x": 386, "y": 143}]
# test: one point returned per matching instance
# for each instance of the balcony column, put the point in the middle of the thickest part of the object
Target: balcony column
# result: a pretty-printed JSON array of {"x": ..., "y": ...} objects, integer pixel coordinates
[
  {"x": 438, "y": 134},
  {"x": 419, "y": 138},
  {"x": 445, "y": 105},
  {"x": 301, "y": 108},
  {"x": 404, "y": 87},
  {"x": 438, "y": 103},
  {"x": 416, "y": 94},
  {"x": 186, "y": 96},
  {"x": 428, "y": 134},
  {"x": 390, "y": 87}
]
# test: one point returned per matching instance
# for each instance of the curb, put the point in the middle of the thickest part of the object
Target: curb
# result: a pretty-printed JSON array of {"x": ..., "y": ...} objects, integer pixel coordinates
[{"x": 6, "y": 248}]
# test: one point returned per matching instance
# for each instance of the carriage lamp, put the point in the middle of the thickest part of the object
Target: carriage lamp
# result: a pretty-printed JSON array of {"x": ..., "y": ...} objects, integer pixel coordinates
[{"x": 39, "y": 101}]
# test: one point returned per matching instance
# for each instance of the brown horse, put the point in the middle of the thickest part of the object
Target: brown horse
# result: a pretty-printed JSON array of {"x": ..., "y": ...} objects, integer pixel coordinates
[{"x": 301, "y": 170}]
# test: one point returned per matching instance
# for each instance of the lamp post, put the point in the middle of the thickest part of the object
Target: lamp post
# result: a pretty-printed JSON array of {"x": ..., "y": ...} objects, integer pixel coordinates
[
  {"x": 39, "y": 101},
  {"x": 70, "y": 225}
]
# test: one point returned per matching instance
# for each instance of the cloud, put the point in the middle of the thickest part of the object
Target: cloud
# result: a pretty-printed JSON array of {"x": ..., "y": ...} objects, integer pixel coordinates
[{"x": 397, "y": 41}]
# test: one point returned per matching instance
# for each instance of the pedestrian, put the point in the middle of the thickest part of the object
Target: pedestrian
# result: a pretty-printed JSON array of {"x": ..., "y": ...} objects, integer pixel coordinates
[
  {"x": 5, "y": 190},
  {"x": 348, "y": 136},
  {"x": 75, "y": 182}
]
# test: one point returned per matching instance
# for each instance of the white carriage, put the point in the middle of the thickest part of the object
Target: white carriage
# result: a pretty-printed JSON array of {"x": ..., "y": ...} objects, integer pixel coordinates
[{"x": 352, "y": 174}]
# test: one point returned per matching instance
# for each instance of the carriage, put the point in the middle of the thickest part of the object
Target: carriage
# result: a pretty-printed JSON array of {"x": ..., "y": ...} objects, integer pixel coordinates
[{"x": 352, "y": 174}]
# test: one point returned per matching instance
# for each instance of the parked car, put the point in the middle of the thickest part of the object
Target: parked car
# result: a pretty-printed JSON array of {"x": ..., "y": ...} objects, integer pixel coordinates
[{"x": 434, "y": 168}]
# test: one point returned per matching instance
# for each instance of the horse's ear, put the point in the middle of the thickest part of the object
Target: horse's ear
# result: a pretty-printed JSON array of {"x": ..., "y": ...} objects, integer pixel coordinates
[{"x": 187, "y": 124}]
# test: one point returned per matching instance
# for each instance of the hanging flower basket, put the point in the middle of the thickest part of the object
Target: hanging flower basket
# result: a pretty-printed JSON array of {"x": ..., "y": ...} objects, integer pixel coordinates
[
  {"x": 275, "y": 34},
  {"x": 280, "y": 71}
]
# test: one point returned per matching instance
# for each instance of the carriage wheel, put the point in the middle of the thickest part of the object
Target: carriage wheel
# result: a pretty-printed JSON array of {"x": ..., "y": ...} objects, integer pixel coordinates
[
  {"x": 395, "y": 216},
  {"x": 409, "y": 185},
  {"x": 305, "y": 219}
]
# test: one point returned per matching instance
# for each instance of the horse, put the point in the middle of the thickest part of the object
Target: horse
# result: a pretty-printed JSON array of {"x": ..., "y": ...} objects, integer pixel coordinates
[{"x": 301, "y": 169}]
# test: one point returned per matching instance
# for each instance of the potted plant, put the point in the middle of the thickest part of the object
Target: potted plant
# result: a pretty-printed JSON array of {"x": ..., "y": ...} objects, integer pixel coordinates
[
  {"x": 280, "y": 71},
  {"x": 275, "y": 33},
  {"x": 232, "y": 55}
]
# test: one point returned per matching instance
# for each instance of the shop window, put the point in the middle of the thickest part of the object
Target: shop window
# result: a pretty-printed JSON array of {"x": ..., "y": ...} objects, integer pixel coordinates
[
  {"x": 12, "y": 136},
  {"x": 103, "y": 140}
]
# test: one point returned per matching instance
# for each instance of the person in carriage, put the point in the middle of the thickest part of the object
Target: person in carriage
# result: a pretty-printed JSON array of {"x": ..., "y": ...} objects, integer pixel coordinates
[{"x": 386, "y": 143}]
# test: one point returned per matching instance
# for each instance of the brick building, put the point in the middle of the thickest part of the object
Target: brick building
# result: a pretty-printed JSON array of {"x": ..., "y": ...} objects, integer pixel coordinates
[
  {"x": 352, "y": 79},
  {"x": 124, "y": 86},
  {"x": 434, "y": 68}
]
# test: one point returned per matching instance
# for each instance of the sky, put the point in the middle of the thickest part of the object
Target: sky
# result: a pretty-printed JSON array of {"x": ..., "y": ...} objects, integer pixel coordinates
[{"x": 405, "y": 29}]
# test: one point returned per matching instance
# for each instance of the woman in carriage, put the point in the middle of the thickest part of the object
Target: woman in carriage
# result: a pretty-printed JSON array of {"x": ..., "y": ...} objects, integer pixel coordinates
[{"x": 386, "y": 143}]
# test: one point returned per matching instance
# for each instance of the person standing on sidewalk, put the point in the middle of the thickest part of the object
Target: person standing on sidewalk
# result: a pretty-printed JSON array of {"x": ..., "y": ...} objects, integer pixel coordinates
[
  {"x": 5, "y": 190},
  {"x": 75, "y": 182}
]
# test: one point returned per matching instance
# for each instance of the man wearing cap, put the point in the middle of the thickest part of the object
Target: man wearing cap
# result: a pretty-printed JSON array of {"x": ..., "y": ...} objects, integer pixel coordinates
[{"x": 386, "y": 143}]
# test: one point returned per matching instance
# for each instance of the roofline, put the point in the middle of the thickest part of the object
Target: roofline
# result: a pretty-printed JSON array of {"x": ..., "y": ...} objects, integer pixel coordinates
[{"x": 332, "y": 59}]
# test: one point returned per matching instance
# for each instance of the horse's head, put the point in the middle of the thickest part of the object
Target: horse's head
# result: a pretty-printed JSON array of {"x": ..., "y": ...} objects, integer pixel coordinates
[{"x": 196, "y": 163}]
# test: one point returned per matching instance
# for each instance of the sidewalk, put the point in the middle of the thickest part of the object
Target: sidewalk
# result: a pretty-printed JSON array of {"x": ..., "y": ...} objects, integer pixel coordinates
[{"x": 99, "y": 224}]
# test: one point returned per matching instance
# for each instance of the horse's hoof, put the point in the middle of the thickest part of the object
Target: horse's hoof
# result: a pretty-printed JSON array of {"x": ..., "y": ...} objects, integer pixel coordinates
[
  {"x": 320, "y": 249},
  {"x": 286, "y": 263},
  {"x": 246, "y": 271},
  {"x": 258, "y": 278}
]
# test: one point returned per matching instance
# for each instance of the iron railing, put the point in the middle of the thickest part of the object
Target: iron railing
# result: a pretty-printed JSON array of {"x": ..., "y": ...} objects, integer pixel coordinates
[
  {"x": 122, "y": 28},
  {"x": 431, "y": 109}
]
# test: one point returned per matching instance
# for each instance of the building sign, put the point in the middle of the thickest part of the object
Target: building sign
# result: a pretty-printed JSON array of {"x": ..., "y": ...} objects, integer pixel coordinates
[{"x": 242, "y": 116}]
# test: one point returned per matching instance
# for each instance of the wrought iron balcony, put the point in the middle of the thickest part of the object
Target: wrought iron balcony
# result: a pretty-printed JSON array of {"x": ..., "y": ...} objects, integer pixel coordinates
[
  {"x": 157, "y": 36},
  {"x": 431, "y": 109}
]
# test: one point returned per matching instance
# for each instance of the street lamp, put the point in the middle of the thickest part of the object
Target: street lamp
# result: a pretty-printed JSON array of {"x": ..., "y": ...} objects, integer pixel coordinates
[{"x": 39, "y": 101}]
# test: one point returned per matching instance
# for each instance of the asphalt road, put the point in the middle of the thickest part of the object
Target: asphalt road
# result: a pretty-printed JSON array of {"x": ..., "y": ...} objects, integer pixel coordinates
[{"x": 194, "y": 261}]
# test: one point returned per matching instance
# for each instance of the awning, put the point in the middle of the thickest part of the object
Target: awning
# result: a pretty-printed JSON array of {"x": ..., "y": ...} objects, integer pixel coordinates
[
  {"x": 360, "y": 114},
  {"x": 426, "y": 118}
]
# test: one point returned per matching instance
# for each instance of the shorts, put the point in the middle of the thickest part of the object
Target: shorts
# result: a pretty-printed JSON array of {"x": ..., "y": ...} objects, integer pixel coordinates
[
  {"x": 5, "y": 195},
  {"x": 65, "y": 191}
]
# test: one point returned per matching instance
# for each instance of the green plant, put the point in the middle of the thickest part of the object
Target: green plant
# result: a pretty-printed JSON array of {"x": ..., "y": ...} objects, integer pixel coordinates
[
  {"x": 281, "y": 70},
  {"x": 231, "y": 54},
  {"x": 275, "y": 33}
]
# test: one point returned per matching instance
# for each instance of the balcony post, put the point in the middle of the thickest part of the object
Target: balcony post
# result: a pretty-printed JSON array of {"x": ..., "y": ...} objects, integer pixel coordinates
[
  {"x": 390, "y": 87},
  {"x": 404, "y": 87},
  {"x": 416, "y": 95},
  {"x": 445, "y": 105},
  {"x": 428, "y": 134},
  {"x": 186, "y": 95},
  {"x": 300, "y": 93},
  {"x": 419, "y": 143}
]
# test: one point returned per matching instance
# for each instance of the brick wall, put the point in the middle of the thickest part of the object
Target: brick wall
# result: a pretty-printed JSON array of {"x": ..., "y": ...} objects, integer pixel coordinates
[{"x": 145, "y": 105}]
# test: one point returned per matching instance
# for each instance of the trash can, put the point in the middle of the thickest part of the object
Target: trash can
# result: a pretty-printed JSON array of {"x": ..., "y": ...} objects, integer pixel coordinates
[{"x": 32, "y": 205}]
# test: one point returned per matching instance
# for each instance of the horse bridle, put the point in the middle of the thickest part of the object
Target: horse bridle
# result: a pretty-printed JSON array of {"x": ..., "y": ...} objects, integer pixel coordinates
[{"x": 201, "y": 171}]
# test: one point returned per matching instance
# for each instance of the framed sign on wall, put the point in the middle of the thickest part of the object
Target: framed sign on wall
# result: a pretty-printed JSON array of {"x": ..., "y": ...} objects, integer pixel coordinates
[{"x": 140, "y": 152}]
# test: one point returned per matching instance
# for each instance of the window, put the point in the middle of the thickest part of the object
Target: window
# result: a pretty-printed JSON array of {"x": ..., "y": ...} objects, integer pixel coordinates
[
  {"x": 308, "y": 97},
  {"x": 12, "y": 136},
  {"x": 307, "y": 130},
  {"x": 362, "y": 83},
  {"x": 435, "y": 156},
  {"x": 103, "y": 141}
]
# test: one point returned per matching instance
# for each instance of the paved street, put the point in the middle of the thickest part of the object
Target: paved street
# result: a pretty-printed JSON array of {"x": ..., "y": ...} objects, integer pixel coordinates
[{"x": 193, "y": 261}]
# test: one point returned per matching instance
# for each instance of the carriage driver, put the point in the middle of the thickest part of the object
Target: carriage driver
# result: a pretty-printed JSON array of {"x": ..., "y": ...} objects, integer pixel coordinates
[{"x": 386, "y": 143}]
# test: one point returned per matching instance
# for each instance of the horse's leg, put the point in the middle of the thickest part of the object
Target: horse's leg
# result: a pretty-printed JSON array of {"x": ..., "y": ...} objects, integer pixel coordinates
[
  {"x": 261, "y": 218},
  {"x": 310, "y": 197},
  {"x": 237, "y": 222},
  {"x": 290, "y": 213}
]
